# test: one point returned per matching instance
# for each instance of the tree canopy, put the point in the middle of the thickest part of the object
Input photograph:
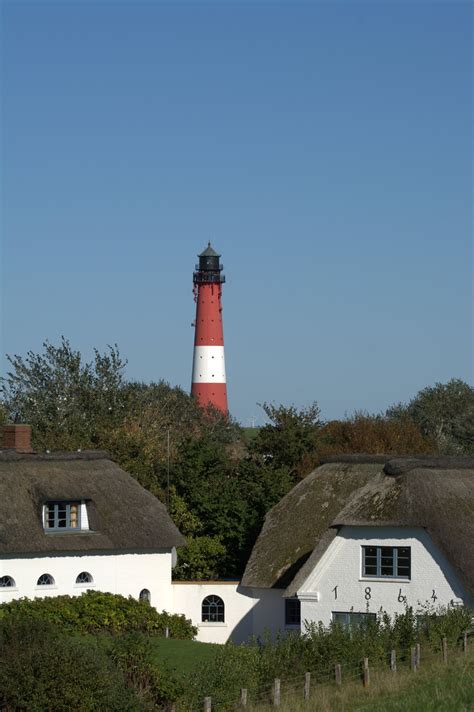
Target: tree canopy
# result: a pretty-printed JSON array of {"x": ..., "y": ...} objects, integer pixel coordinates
[{"x": 445, "y": 413}]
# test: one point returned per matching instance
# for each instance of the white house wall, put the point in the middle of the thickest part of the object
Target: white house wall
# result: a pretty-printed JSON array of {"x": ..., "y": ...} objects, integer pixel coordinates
[
  {"x": 247, "y": 612},
  {"x": 336, "y": 583},
  {"x": 126, "y": 574}
]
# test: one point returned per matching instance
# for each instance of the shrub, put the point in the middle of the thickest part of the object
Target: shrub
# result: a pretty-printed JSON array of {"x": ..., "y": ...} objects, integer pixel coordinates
[
  {"x": 256, "y": 665},
  {"x": 95, "y": 612},
  {"x": 42, "y": 669},
  {"x": 132, "y": 654}
]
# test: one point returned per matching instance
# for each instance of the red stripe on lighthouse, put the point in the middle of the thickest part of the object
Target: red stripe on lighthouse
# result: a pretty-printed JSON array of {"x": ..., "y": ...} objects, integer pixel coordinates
[
  {"x": 209, "y": 379},
  {"x": 211, "y": 394},
  {"x": 209, "y": 327}
]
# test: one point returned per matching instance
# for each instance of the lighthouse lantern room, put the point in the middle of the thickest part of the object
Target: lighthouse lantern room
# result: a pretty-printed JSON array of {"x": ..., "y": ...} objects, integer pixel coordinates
[{"x": 209, "y": 381}]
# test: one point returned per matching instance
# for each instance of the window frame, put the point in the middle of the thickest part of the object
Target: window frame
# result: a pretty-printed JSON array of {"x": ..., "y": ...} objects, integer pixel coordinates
[
  {"x": 354, "y": 623},
  {"x": 292, "y": 620},
  {"x": 89, "y": 582},
  {"x": 219, "y": 604},
  {"x": 46, "y": 585},
  {"x": 56, "y": 504},
  {"x": 379, "y": 566},
  {"x": 145, "y": 596},
  {"x": 10, "y": 585}
]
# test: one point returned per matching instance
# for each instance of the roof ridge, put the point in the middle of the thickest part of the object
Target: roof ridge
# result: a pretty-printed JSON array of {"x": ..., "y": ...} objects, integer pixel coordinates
[{"x": 10, "y": 455}]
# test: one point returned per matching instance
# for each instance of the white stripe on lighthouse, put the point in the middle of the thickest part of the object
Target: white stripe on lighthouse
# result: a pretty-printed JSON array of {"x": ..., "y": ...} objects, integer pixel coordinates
[{"x": 209, "y": 364}]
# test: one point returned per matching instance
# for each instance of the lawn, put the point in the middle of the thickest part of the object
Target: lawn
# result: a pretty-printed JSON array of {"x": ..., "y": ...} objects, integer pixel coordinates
[{"x": 182, "y": 656}]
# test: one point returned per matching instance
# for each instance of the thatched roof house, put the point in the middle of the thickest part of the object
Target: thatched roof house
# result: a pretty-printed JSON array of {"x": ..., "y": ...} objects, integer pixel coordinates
[
  {"x": 436, "y": 493},
  {"x": 122, "y": 514}
]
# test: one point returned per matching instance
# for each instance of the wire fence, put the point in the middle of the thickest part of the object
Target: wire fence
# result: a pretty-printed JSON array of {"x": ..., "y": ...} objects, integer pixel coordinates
[{"x": 364, "y": 671}]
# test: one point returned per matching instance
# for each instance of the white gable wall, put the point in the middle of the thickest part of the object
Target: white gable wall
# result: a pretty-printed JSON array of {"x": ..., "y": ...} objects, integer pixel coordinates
[
  {"x": 124, "y": 573},
  {"x": 341, "y": 567}
]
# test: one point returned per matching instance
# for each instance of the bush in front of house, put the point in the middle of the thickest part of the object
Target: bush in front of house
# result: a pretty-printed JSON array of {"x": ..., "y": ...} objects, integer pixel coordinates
[
  {"x": 43, "y": 669},
  {"x": 95, "y": 612},
  {"x": 133, "y": 656},
  {"x": 254, "y": 666}
]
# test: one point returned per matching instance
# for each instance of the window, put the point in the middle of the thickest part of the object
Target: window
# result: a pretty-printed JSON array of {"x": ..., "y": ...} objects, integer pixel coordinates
[
  {"x": 213, "y": 610},
  {"x": 7, "y": 582},
  {"x": 292, "y": 611},
  {"x": 390, "y": 561},
  {"x": 144, "y": 595},
  {"x": 84, "y": 577},
  {"x": 45, "y": 580},
  {"x": 62, "y": 515},
  {"x": 351, "y": 619}
]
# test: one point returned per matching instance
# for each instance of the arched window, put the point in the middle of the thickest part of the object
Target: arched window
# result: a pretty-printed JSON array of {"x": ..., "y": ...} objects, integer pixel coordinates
[
  {"x": 6, "y": 582},
  {"x": 45, "y": 580},
  {"x": 84, "y": 577},
  {"x": 144, "y": 595},
  {"x": 212, "y": 610}
]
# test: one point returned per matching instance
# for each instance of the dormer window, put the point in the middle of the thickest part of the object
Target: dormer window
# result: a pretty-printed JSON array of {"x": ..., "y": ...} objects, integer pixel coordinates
[{"x": 60, "y": 516}]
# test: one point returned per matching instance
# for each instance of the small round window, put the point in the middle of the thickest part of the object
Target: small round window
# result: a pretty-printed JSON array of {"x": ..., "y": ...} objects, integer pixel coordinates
[
  {"x": 145, "y": 595},
  {"x": 45, "y": 580},
  {"x": 6, "y": 582},
  {"x": 84, "y": 577}
]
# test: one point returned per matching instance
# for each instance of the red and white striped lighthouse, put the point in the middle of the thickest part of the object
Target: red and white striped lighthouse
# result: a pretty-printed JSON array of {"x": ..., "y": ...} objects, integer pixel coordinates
[{"x": 209, "y": 383}]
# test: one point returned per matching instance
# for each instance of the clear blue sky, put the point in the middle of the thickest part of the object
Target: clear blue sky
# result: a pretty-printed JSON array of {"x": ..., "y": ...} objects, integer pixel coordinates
[{"x": 324, "y": 148}]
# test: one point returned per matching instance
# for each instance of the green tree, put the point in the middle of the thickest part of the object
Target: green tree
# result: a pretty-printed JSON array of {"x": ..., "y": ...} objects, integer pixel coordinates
[
  {"x": 445, "y": 413},
  {"x": 68, "y": 402},
  {"x": 290, "y": 439}
]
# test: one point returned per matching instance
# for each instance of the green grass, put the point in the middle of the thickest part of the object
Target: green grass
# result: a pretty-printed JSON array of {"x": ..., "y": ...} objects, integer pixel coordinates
[
  {"x": 435, "y": 687},
  {"x": 250, "y": 434},
  {"x": 182, "y": 656}
]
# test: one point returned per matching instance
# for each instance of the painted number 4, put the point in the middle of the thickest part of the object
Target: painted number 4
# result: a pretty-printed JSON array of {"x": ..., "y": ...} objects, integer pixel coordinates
[{"x": 434, "y": 597}]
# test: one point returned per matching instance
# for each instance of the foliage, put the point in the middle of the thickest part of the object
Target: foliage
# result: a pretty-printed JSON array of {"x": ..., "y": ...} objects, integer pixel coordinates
[
  {"x": 444, "y": 413},
  {"x": 200, "y": 559},
  {"x": 234, "y": 667},
  {"x": 67, "y": 402},
  {"x": 374, "y": 434},
  {"x": 290, "y": 436},
  {"x": 257, "y": 664},
  {"x": 95, "y": 611},
  {"x": 42, "y": 669},
  {"x": 133, "y": 655}
]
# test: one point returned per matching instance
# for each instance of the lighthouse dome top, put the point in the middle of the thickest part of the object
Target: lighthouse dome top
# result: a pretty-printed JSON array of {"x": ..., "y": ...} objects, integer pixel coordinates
[{"x": 209, "y": 252}]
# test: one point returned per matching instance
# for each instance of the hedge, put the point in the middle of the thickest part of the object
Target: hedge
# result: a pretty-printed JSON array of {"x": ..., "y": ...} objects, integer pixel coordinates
[{"x": 96, "y": 612}]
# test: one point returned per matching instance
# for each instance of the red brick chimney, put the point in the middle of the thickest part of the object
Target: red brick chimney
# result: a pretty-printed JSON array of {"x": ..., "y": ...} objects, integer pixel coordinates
[{"x": 17, "y": 437}]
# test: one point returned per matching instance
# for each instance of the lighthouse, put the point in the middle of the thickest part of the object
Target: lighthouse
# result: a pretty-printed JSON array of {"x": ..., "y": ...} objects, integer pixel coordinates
[{"x": 209, "y": 382}]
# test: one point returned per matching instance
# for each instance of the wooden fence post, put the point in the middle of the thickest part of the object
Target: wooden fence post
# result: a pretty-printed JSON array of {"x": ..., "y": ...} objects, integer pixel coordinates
[
  {"x": 167, "y": 632},
  {"x": 464, "y": 643},
  {"x": 413, "y": 659},
  {"x": 366, "y": 672},
  {"x": 307, "y": 685},
  {"x": 418, "y": 655},
  {"x": 276, "y": 692},
  {"x": 207, "y": 704},
  {"x": 445, "y": 650},
  {"x": 243, "y": 697},
  {"x": 393, "y": 661},
  {"x": 338, "y": 673}
]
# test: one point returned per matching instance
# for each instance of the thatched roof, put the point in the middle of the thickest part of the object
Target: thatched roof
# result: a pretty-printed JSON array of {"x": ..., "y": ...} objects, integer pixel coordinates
[
  {"x": 122, "y": 515},
  {"x": 434, "y": 493}
]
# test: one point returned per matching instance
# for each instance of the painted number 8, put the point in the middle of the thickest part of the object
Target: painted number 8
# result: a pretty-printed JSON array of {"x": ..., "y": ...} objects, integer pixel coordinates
[{"x": 368, "y": 594}]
